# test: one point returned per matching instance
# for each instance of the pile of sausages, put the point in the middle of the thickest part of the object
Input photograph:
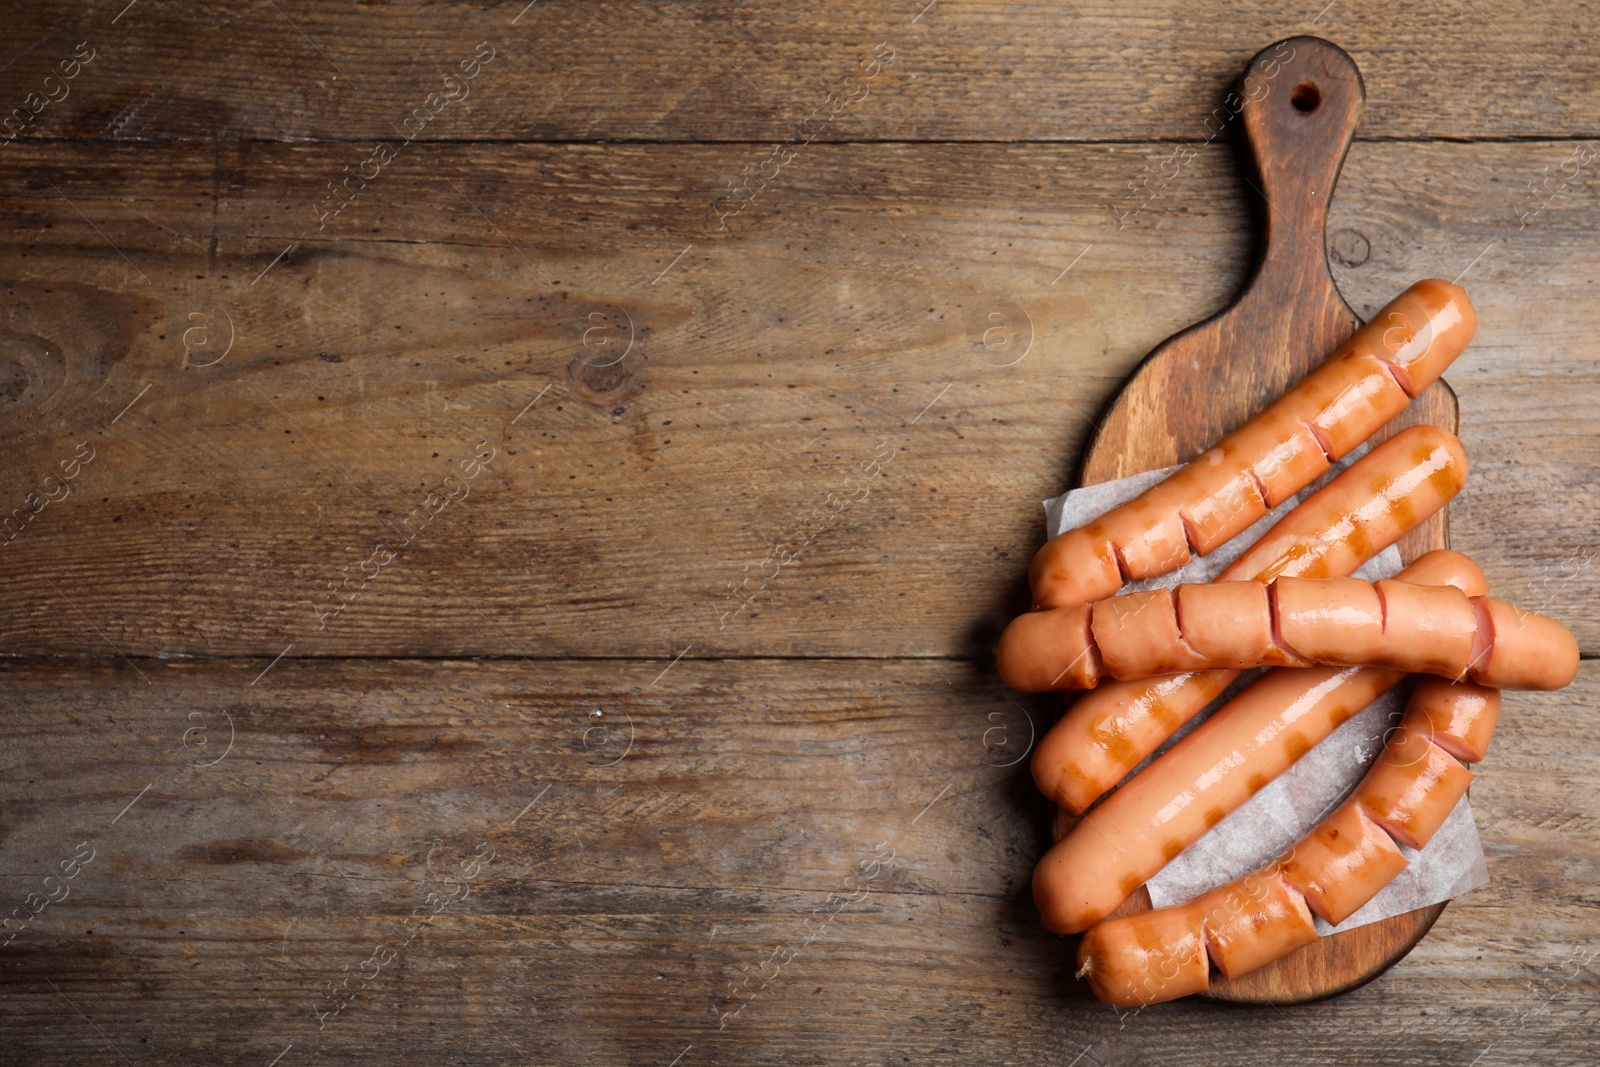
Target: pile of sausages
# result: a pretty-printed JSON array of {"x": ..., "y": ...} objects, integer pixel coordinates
[{"x": 1151, "y": 661}]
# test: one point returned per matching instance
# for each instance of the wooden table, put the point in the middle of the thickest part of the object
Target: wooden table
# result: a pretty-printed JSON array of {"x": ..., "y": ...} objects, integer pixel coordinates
[{"x": 524, "y": 593}]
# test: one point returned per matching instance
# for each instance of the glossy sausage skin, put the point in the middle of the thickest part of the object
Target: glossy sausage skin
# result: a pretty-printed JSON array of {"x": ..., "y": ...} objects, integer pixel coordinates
[
  {"x": 1274, "y": 922},
  {"x": 1459, "y": 717},
  {"x": 1367, "y": 508},
  {"x": 1161, "y": 955},
  {"x": 1161, "y": 959},
  {"x": 1332, "y": 871},
  {"x": 1522, "y": 650},
  {"x": 1330, "y": 621},
  {"x": 1140, "y": 828},
  {"x": 1205, "y": 777},
  {"x": 1341, "y": 864},
  {"x": 1045, "y": 651},
  {"x": 1315, "y": 423},
  {"x": 1412, "y": 787},
  {"x": 1112, "y": 728},
  {"x": 1245, "y": 744},
  {"x": 1406, "y": 795},
  {"x": 1109, "y": 730}
]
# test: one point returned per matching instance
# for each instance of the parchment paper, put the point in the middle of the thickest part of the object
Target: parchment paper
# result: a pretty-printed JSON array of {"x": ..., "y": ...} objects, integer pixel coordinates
[{"x": 1272, "y": 820}]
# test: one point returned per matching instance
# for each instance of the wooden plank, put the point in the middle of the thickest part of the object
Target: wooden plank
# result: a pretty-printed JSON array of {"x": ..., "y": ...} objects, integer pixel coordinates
[
  {"x": 698, "y": 70},
  {"x": 622, "y": 912},
  {"x": 839, "y": 323}
]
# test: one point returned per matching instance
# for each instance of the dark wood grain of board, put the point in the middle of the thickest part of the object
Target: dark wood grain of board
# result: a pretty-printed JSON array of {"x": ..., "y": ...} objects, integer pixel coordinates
[{"x": 1300, "y": 101}]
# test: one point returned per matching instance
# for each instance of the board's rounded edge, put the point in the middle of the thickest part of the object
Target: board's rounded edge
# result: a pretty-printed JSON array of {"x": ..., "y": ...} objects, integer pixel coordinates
[{"x": 1418, "y": 922}]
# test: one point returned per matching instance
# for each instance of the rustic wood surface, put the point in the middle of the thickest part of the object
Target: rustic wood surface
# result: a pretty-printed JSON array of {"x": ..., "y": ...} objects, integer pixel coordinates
[
  {"x": 635, "y": 909},
  {"x": 784, "y": 412},
  {"x": 631, "y": 496},
  {"x": 668, "y": 70}
]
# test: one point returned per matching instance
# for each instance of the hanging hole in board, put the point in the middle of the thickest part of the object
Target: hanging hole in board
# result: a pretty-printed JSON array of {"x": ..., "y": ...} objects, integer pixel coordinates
[{"x": 1306, "y": 98}]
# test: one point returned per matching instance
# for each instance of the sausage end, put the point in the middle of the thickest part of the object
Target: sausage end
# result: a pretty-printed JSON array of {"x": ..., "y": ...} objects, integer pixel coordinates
[
  {"x": 1043, "y": 651},
  {"x": 1526, "y": 650}
]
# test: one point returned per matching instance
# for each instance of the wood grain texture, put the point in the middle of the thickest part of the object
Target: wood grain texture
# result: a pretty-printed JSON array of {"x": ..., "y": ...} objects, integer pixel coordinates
[
  {"x": 769, "y": 363},
  {"x": 621, "y": 907},
  {"x": 274, "y": 374},
  {"x": 697, "y": 70}
]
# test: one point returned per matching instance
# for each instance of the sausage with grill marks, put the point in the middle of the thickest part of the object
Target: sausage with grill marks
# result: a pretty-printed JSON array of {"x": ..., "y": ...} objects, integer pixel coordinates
[
  {"x": 1367, "y": 508},
  {"x": 1291, "y": 622},
  {"x": 1331, "y": 872},
  {"x": 1202, "y": 779},
  {"x": 1317, "y": 422}
]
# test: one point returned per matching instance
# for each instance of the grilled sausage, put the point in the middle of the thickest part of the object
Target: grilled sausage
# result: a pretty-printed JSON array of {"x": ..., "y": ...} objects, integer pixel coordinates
[
  {"x": 1315, "y": 423},
  {"x": 1368, "y": 507},
  {"x": 1245, "y": 744},
  {"x": 1294, "y": 622},
  {"x": 1332, "y": 871},
  {"x": 1248, "y": 742}
]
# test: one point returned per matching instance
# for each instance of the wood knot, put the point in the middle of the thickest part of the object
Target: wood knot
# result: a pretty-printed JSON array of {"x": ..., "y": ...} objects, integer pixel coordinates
[
  {"x": 606, "y": 368},
  {"x": 61, "y": 341},
  {"x": 29, "y": 371},
  {"x": 1350, "y": 248}
]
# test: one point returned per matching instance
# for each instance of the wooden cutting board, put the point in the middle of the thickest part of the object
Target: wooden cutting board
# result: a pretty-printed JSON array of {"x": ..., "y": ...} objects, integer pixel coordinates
[{"x": 1301, "y": 101}]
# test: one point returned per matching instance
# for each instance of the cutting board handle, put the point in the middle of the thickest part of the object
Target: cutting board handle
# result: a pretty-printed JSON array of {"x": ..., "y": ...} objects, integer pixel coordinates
[{"x": 1301, "y": 102}]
